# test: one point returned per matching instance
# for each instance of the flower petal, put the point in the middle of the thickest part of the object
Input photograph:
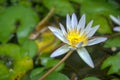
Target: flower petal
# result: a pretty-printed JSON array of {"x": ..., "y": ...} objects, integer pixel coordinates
[
  {"x": 88, "y": 27},
  {"x": 60, "y": 51},
  {"x": 115, "y": 19},
  {"x": 74, "y": 21},
  {"x": 63, "y": 29},
  {"x": 79, "y": 44},
  {"x": 117, "y": 28},
  {"x": 81, "y": 23},
  {"x": 68, "y": 22},
  {"x": 58, "y": 33},
  {"x": 96, "y": 41},
  {"x": 83, "y": 53},
  {"x": 92, "y": 31}
]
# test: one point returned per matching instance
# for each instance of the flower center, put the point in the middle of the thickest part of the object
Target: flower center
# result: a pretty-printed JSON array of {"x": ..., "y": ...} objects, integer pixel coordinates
[{"x": 75, "y": 38}]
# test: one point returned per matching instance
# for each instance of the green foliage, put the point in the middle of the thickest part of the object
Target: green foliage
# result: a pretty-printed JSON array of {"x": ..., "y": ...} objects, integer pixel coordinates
[
  {"x": 62, "y": 7},
  {"x": 57, "y": 76},
  {"x": 99, "y": 11},
  {"x": 17, "y": 53},
  {"x": 49, "y": 62},
  {"x": 4, "y": 72},
  {"x": 112, "y": 42},
  {"x": 30, "y": 48},
  {"x": 90, "y": 78},
  {"x": 35, "y": 74},
  {"x": 112, "y": 62},
  {"x": 13, "y": 64},
  {"x": 19, "y": 19},
  {"x": 115, "y": 79}
]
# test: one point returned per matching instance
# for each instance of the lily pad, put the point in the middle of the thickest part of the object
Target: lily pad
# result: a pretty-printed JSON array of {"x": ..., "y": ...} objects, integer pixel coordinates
[
  {"x": 112, "y": 62},
  {"x": 62, "y": 7},
  {"x": 17, "y": 19}
]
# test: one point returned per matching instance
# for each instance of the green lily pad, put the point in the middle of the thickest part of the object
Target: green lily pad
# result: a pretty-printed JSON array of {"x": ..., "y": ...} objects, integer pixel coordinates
[
  {"x": 17, "y": 19},
  {"x": 91, "y": 78},
  {"x": 29, "y": 48},
  {"x": 4, "y": 72},
  {"x": 62, "y": 7},
  {"x": 49, "y": 62},
  {"x": 112, "y": 62},
  {"x": 112, "y": 42},
  {"x": 99, "y": 11},
  {"x": 16, "y": 64}
]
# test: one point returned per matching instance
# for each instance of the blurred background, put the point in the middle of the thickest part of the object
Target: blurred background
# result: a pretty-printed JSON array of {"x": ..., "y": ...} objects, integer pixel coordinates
[{"x": 26, "y": 43}]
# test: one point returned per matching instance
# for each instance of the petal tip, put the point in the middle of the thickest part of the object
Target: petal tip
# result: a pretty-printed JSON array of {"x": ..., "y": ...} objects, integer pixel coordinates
[{"x": 92, "y": 66}]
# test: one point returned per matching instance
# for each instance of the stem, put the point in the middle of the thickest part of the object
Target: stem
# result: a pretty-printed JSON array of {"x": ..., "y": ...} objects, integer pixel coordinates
[
  {"x": 44, "y": 21},
  {"x": 52, "y": 69}
]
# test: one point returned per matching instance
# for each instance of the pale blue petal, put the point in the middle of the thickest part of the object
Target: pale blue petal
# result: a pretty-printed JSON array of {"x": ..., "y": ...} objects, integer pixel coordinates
[
  {"x": 92, "y": 31},
  {"x": 58, "y": 33},
  {"x": 115, "y": 19},
  {"x": 96, "y": 41},
  {"x": 60, "y": 51},
  {"x": 88, "y": 27},
  {"x": 79, "y": 44},
  {"x": 83, "y": 53},
  {"x": 74, "y": 21},
  {"x": 68, "y": 22},
  {"x": 81, "y": 23},
  {"x": 63, "y": 29},
  {"x": 117, "y": 28}
]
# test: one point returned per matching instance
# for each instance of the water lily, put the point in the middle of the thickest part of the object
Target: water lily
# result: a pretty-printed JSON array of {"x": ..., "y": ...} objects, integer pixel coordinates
[
  {"x": 76, "y": 36},
  {"x": 117, "y": 21}
]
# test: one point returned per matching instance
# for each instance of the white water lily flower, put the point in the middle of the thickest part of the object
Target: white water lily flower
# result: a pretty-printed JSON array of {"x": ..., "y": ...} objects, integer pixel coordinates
[
  {"x": 117, "y": 21},
  {"x": 76, "y": 37}
]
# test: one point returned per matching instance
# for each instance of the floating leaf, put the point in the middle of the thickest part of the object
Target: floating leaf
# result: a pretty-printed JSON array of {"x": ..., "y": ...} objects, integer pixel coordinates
[
  {"x": 35, "y": 74},
  {"x": 91, "y": 78},
  {"x": 99, "y": 11},
  {"x": 17, "y": 19},
  {"x": 4, "y": 72},
  {"x": 16, "y": 64},
  {"x": 30, "y": 48},
  {"x": 112, "y": 42},
  {"x": 56, "y": 76},
  {"x": 112, "y": 62},
  {"x": 62, "y": 7},
  {"x": 49, "y": 62}
]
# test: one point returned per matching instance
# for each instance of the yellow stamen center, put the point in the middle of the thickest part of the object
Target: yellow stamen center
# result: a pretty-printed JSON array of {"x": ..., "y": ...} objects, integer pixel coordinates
[{"x": 75, "y": 38}]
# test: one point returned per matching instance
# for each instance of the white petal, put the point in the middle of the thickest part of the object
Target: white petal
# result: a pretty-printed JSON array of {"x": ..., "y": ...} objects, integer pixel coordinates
[
  {"x": 74, "y": 21},
  {"x": 85, "y": 56},
  {"x": 88, "y": 27},
  {"x": 115, "y": 19},
  {"x": 117, "y": 29},
  {"x": 92, "y": 31},
  {"x": 63, "y": 29},
  {"x": 68, "y": 22},
  {"x": 79, "y": 44},
  {"x": 58, "y": 33},
  {"x": 60, "y": 51},
  {"x": 96, "y": 41},
  {"x": 81, "y": 23}
]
